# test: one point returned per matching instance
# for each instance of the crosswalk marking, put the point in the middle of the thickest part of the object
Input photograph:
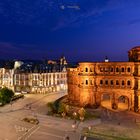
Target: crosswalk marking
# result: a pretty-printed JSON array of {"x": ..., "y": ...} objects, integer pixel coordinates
[{"x": 20, "y": 128}]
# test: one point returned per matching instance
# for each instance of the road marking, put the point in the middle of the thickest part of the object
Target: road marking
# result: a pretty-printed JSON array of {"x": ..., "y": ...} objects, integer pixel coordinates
[
  {"x": 20, "y": 128},
  {"x": 20, "y": 138},
  {"x": 50, "y": 134},
  {"x": 32, "y": 133}
]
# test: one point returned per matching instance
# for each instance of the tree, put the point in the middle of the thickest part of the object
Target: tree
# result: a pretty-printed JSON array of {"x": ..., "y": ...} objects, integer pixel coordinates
[
  {"x": 6, "y": 95},
  {"x": 61, "y": 108},
  {"x": 50, "y": 106}
]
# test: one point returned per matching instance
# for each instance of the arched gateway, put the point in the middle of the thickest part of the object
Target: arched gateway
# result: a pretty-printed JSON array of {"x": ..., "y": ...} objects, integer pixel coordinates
[
  {"x": 106, "y": 100},
  {"x": 123, "y": 103}
]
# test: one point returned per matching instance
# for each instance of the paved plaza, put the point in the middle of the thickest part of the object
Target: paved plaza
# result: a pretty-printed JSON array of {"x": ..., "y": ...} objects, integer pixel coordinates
[{"x": 51, "y": 128}]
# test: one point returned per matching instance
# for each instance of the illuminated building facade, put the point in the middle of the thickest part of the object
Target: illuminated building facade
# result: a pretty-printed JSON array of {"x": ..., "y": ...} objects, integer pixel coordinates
[
  {"x": 42, "y": 79},
  {"x": 94, "y": 83}
]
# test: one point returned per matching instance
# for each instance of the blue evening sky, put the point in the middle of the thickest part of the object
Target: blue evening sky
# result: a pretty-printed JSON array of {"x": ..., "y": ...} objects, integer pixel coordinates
[{"x": 82, "y": 30}]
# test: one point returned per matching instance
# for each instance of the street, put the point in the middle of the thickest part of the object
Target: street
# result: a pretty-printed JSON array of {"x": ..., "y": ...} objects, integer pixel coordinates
[
  {"x": 12, "y": 126},
  {"x": 49, "y": 128}
]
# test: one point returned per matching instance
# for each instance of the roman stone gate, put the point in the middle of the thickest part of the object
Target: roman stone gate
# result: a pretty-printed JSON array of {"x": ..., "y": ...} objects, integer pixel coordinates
[{"x": 115, "y": 100}]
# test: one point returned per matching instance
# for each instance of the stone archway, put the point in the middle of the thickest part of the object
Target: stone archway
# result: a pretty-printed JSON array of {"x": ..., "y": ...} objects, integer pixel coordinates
[
  {"x": 123, "y": 103},
  {"x": 106, "y": 100}
]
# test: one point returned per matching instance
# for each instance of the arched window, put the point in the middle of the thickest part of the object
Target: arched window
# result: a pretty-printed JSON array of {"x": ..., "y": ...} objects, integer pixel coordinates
[
  {"x": 111, "y": 69},
  {"x": 128, "y": 83},
  {"x": 111, "y": 82},
  {"x": 101, "y": 82},
  {"x": 117, "y": 82},
  {"x": 123, "y": 83},
  {"x": 106, "y": 82},
  {"x": 122, "y": 69},
  {"x": 128, "y": 69},
  {"x": 86, "y": 82},
  {"x": 86, "y": 69},
  {"x": 117, "y": 69}
]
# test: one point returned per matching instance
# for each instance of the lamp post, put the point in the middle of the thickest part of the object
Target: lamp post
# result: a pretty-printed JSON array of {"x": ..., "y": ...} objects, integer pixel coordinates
[{"x": 89, "y": 129}]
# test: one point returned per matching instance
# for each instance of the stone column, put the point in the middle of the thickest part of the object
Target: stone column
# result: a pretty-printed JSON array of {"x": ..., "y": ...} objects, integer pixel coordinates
[
  {"x": 139, "y": 102},
  {"x": 114, "y": 101},
  {"x": 138, "y": 84},
  {"x": 138, "y": 70}
]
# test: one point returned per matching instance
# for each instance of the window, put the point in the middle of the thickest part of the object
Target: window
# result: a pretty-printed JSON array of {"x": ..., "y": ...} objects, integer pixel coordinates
[
  {"x": 106, "y": 69},
  {"x": 101, "y": 69},
  {"x": 86, "y": 82},
  {"x": 128, "y": 69},
  {"x": 122, "y": 69},
  {"x": 86, "y": 69},
  {"x": 111, "y": 82},
  {"x": 128, "y": 83},
  {"x": 101, "y": 82},
  {"x": 117, "y": 69},
  {"x": 117, "y": 82},
  {"x": 111, "y": 69},
  {"x": 106, "y": 82},
  {"x": 123, "y": 83}
]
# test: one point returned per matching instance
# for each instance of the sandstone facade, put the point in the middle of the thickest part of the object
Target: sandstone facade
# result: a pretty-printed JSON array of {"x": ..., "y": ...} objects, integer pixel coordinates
[{"x": 90, "y": 82}]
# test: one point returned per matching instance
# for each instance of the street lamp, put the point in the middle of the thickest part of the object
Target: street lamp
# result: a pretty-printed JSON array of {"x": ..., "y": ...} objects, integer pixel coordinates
[
  {"x": 74, "y": 126},
  {"x": 89, "y": 129},
  {"x": 75, "y": 115}
]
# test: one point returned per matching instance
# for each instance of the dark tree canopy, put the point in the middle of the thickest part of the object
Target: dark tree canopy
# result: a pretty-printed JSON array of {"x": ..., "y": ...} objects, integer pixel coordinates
[{"x": 6, "y": 95}]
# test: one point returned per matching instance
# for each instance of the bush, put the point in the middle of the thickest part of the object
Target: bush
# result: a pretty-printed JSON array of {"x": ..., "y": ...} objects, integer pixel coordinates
[
  {"x": 52, "y": 107},
  {"x": 61, "y": 108},
  {"x": 31, "y": 120},
  {"x": 6, "y": 95}
]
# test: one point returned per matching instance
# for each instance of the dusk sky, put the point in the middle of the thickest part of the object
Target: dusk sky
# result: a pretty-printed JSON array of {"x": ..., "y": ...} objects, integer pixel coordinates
[{"x": 82, "y": 30}]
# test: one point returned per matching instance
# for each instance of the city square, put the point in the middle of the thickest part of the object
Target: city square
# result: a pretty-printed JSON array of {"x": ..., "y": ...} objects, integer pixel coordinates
[
  {"x": 49, "y": 127},
  {"x": 69, "y": 70}
]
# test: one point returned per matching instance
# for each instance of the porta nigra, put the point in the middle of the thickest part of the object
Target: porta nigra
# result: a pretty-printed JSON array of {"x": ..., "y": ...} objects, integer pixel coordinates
[{"x": 112, "y": 84}]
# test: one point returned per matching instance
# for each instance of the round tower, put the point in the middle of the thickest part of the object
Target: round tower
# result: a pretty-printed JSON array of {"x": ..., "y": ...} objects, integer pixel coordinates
[{"x": 134, "y": 54}]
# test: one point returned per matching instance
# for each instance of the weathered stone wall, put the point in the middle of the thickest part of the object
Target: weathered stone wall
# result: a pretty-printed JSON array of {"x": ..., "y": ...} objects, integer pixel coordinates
[{"x": 89, "y": 81}]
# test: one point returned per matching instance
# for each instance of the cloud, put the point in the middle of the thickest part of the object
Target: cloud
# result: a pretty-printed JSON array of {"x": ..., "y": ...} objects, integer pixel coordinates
[
  {"x": 89, "y": 10},
  {"x": 48, "y": 13}
]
